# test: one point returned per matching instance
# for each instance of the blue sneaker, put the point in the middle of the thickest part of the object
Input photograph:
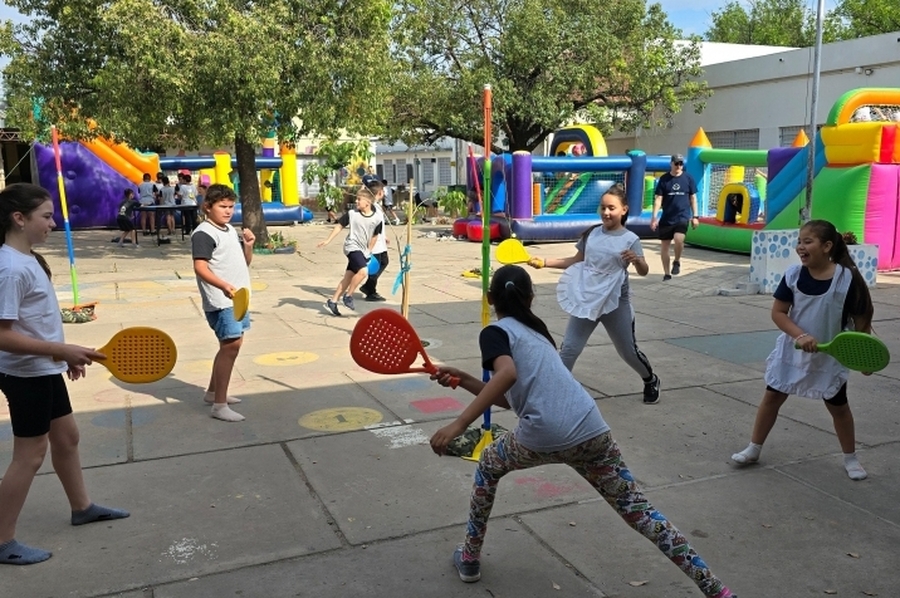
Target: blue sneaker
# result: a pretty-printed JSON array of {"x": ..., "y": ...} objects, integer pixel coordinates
[
  {"x": 348, "y": 301},
  {"x": 332, "y": 307},
  {"x": 469, "y": 571}
]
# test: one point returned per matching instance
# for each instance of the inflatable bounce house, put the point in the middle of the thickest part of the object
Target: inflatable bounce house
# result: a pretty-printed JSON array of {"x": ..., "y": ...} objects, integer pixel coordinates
[
  {"x": 856, "y": 181},
  {"x": 555, "y": 198},
  {"x": 97, "y": 172}
]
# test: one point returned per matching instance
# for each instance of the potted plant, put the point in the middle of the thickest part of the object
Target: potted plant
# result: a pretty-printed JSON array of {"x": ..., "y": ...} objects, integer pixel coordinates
[{"x": 278, "y": 244}]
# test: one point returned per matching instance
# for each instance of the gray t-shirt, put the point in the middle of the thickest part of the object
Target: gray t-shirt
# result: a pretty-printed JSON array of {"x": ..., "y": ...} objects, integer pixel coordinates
[
  {"x": 223, "y": 248},
  {"x": 167, "y": 195},
  {"x": 555, "y": 412},
  {"x": 362, "y": 229}
]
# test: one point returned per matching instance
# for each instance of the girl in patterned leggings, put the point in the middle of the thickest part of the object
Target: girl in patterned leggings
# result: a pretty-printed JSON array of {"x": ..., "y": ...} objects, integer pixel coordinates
[{"x": 559, "y": 423}]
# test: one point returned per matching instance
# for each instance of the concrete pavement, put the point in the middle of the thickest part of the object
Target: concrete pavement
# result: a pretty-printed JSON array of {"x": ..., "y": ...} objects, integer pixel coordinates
[{"x": 328, "y": 489}]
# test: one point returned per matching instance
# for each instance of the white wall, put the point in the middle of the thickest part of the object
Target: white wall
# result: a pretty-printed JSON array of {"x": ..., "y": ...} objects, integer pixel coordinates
[{"x": 773, "y": 91}]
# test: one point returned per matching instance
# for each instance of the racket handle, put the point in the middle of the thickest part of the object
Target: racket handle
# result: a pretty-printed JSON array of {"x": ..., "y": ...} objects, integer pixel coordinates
[{"x": 454, "y": 381}]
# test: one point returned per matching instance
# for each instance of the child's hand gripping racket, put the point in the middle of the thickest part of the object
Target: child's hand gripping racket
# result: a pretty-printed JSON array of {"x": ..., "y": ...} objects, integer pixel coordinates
[
  {"x": 138, "y": 355},
  {"x": 857, "y": 351},
  {"x": 241, "y": 298},
  {"x": 384, "y": 342}
]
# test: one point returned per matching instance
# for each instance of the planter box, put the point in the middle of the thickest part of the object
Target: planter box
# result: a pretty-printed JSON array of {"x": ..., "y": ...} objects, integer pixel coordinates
[{"x": 773, "y": 251}]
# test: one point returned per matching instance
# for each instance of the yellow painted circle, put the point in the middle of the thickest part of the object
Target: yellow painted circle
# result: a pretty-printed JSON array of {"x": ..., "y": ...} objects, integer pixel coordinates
[
  {"x": 340, "y": 419},
  {"x": 285, "y": 358},
  {"x": 258, "y": 286}
]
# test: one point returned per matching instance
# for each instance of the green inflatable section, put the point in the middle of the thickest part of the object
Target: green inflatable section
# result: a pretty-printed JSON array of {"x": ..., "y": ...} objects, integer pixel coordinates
[
  {"x": 839, "y": 195},
  {"x": 736, "y": 239}
]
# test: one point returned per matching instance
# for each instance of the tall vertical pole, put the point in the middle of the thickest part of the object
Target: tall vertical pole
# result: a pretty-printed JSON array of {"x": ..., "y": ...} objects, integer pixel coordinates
[
  {"x": 65, "y": 210},
  {"x": 813, "y": 114},
  {"x": 486, "y": 204}
]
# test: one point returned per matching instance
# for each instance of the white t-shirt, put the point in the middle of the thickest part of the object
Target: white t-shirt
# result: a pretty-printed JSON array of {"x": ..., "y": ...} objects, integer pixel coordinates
[
  {"x": 381, "y": 240},
  {"x": 223, "y": 248},
  {"x": 188, "y": 194},
  {"x": 167, "y": 193},
  {"x": 27, "y": 299}
]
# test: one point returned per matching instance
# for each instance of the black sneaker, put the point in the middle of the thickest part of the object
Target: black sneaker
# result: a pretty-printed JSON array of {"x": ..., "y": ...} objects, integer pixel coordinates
[
  {"x": 651, "y": 391},
  {"x": 676, "y": 268},
  {"x": 667, "y": 277},
  {"x": 469, "y": 571},
  {"x": 332, "y": 307},
  {"x": 375, "y": 297},
  {"x": 348, "y": 301}
]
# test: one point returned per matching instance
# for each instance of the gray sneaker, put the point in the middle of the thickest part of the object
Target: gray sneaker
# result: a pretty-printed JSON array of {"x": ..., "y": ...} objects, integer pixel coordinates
[
  {"x": 469, "y": 571},
  {"x": 348, "y": 301}
]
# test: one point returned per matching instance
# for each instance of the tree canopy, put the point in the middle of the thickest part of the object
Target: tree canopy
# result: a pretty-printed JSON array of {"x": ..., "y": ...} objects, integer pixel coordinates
[
  {"x": 792, "y": 22},
  {"x": 618, "y": 64},
  {"x": 186, "y": 73}
]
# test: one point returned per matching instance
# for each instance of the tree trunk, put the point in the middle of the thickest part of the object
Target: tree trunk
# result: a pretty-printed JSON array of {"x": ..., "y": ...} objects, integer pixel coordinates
[{"x": 251, "y": 201}]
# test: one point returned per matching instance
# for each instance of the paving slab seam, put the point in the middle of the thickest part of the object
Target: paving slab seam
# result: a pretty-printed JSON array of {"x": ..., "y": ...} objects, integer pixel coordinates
[
  {"x": 558, "y": 556},
  {"x": 330, "y": 519},
  {"x": 846, "y": 503}
]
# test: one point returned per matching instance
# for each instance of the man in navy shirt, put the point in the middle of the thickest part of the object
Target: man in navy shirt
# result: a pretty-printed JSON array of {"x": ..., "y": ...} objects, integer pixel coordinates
[{"x": 676, "y": 194}]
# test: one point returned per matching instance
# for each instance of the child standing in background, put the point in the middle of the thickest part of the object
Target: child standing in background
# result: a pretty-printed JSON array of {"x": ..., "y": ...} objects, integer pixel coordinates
[
  {"x": 125, "y": 218},
  {"x": 815, "y": 301},
  {"x": 33, "y": 358},
  {"x": 366, "y": 225},
  {"x": 167, "y": 199},
  {"x": 147, "y": 195},
  {"x": 221, "y": 258},
  {"x": 559, "y": 422},
  {"x": 594, "y": 289},
  {"x": 380, "y": 250}
]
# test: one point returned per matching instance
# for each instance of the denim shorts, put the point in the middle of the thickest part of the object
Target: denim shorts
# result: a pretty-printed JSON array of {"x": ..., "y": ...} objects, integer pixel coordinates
[{"x": 225, "y": 326}]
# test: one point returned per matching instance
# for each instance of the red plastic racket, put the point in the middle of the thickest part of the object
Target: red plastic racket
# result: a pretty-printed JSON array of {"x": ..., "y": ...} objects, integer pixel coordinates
[{"x": 384, "y": 342}]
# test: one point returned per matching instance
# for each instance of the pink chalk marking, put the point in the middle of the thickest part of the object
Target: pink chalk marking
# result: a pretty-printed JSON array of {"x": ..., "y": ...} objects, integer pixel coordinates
[
  {"x": 438, "y": 405},
  {"x": 545, "y": 489}
]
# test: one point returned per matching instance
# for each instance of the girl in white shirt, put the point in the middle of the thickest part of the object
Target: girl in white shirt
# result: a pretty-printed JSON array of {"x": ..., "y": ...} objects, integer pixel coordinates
[{"x": 33, "y": 357}]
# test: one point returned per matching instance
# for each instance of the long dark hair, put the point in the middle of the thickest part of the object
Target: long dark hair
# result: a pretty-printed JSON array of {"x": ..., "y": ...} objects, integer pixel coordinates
[
  {"x": 862, "y": 307},
  {"x": 24, "y": 198},
  {"x": 617, "y": 190},
  {"x": 512, "y": 291}
]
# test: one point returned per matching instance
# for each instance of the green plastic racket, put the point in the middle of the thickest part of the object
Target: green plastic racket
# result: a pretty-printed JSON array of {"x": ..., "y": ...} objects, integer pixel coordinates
[
  {"x": 857, "y": 351},
  {"x": 511, "y": 251}
]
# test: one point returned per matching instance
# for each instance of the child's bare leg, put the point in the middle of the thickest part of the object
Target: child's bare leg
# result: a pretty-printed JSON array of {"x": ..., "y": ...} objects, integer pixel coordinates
[
  {"x": 766, "y": 416},
  {"x": 344, "y": 284},
  {"x": 846, "y": 433},
  {"x": 356, "y": 280},
  {"x": 28, "y": 454},
  {"x": 223, "y": 365}
]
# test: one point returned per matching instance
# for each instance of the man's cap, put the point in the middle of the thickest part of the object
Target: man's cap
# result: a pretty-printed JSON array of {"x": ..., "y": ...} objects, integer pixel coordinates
[{"x": 677, "y": 158}]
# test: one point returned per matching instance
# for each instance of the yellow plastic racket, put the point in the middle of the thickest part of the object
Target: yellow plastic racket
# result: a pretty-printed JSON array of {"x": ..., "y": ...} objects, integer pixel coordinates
[
  {"x": 139, "y": 355},
  {"x": 241, "y": 303},
  {"x": 511, "y": 251}
]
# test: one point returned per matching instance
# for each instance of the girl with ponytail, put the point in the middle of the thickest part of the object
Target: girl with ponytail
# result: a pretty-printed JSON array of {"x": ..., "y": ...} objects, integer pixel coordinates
[
  {"x": 559, "y": 422},
  {"x": 816, "y": 300}
]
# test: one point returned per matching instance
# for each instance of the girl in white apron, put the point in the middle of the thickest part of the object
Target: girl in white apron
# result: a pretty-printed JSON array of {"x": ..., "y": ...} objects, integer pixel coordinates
[
  {"x": 594, "y": 289},
  {"x": 814, "y": 302}
]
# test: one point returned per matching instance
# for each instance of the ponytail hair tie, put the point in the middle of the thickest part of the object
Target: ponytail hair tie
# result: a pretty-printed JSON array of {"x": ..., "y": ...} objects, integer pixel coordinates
[{"x": 509, "y": 283}]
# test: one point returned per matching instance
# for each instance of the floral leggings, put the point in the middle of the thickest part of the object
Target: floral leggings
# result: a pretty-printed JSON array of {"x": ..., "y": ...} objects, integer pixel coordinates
[{"x": 598, "y": 461}]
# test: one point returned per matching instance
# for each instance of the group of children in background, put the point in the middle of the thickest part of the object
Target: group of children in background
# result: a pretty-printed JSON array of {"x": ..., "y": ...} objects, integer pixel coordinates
[
  {"x": 816, "y": 299},
  {"x": 159, "y": 193}
]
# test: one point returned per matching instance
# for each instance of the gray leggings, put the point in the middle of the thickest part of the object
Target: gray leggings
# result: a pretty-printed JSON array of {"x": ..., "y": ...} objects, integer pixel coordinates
[{"x": 619, "y": 324}]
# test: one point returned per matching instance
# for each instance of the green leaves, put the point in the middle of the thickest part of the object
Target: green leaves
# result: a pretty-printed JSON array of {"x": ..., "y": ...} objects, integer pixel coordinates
[{"x": 548, "y": 61}]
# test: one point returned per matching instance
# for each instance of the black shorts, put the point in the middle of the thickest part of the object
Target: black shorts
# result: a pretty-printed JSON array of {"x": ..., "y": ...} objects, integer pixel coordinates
[
  {"x": 35, "y": 402},
  {"x": 125, "y": 224},
  {"x": 667, "y": 231},
  {"x": 356, "y": 261},
  {"x": 837, "y": 400}
]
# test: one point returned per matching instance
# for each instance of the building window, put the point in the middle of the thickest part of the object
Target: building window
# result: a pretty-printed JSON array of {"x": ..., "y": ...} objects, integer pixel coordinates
[
  {"x": 444, "y": 172},
  {"x": 786, "y": 135},
  {"x": 737, "y": 139},
  {"x": 389, "y": 171},
  {"x": 400, "y": 173}
]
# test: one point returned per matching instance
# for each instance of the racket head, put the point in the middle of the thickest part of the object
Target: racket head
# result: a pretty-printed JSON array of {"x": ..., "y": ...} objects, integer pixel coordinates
[
  {"x": 384, "y": 342},
  {"x": 511, "y": 251},
  {"x": 241, "y": 300},
  {"x": 139, "y": 355},
  {"x": 858, "y": 351}
]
